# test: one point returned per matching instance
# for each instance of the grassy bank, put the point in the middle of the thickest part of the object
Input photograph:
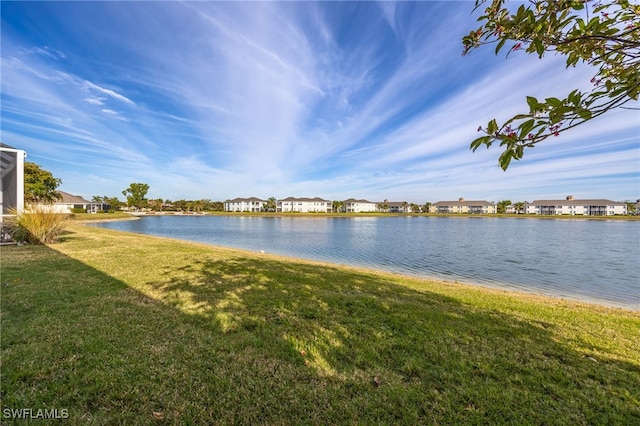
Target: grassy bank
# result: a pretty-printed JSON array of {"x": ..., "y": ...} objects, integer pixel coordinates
[
  {"x": 97, "y": 217},
  {"x": 131, "y": 329}
]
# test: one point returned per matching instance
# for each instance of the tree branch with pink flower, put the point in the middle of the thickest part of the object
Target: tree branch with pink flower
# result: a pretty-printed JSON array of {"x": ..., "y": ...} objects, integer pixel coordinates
[{"x": 604, "y": 34}]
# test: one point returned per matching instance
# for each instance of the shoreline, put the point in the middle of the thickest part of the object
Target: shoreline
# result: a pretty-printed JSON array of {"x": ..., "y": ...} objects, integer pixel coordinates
[{"x": 499, "y": 287}]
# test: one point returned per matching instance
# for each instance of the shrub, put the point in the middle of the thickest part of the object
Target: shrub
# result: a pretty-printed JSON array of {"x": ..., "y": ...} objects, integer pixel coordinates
[
  {"x": 78, "y": 210},
  {"x": 37, "y": 225}
]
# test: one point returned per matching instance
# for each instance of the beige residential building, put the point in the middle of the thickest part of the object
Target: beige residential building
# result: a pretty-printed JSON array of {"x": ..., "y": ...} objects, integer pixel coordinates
[{"x": 463, "y": 206}]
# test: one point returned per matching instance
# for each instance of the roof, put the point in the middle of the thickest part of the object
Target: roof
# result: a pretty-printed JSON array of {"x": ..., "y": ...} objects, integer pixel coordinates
[
  {"x": 394, "y": 203},
  {"x": 4, "y": 145},
  {"x": 8, "y": 158},
  {"x": 241, "y": 200},
  {"x": 353, "y": 200},
  {"x": 462, "y": 203},
  {"x": 315, "y": 199},
  {"x": 72, "y": 199},
  {"x": 594, "y": 202}
]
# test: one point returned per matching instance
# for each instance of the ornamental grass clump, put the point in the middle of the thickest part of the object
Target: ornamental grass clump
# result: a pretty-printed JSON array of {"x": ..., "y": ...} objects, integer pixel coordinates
[{"x": 37, "y": 225}]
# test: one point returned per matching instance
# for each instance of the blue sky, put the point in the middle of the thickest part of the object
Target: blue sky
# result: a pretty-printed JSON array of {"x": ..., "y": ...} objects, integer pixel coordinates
[{"x": 333, "y": 99}]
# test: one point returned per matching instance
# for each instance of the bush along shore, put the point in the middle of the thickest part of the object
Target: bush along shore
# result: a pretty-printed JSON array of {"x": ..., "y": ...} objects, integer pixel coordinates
[{"x": 114, "y": 328}]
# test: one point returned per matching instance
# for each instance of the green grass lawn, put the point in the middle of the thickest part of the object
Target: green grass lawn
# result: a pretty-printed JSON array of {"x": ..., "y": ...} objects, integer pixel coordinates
[
  {"x": 95, "y": 217},
  {"x": 119, "y": 328}
]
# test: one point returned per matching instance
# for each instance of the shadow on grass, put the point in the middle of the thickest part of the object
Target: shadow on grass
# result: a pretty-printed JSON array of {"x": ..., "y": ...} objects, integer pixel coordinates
[
  {"x": 261, "y": 340},
  {"x": 359, "y": 330}
]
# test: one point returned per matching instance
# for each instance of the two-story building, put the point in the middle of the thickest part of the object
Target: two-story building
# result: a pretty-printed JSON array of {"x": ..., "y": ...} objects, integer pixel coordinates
[
  {"x": 572, "y": 207},
  {"x": 303, "y": 205},
  {"x": 251, "y": 204},
  {"x": 463, "y": 206},
  {"x": 359, "y": 206}
]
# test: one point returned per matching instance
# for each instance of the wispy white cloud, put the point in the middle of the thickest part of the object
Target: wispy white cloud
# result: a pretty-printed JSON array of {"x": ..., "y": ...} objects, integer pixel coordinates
[
  {"x": 274, "y": 99},
  {"x": 114, "y": 114},
  {"x": 94, "y": 101},
  {"x": 44, "y": 51},
  {"x": 89, "y": 86}
]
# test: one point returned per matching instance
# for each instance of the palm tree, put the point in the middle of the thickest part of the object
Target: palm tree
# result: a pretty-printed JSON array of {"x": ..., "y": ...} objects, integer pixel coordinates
[
  {"x": 197, "y": 206},
  {"x": 519, "y": 207},
  {"x": 271, "y": 204}
]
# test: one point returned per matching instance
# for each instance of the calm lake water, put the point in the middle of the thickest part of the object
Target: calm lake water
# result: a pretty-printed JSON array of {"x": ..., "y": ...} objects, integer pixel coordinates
[{"x": 589, "y": 260}]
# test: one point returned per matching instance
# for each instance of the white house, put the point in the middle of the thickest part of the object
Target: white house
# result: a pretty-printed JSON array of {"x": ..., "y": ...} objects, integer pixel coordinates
[
  {"x": 572, "y": 207},
  {"x": 70, "y": 202},
  {"x": 12, "y": 177},
  {"x": 252, "y": 204},
  {"x": 518, "y": 208},
  {"x": 304, "y": 205},
  {"x": 463, "y": 206},
  {"x": 359, "y": 206}
]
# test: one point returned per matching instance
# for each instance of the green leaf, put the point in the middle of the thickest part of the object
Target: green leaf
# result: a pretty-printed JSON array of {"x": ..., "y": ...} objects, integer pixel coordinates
[
  {"x": 557, "y": 115},
  {"x": 526, "y": 127},
  {"x": 519, "y": 117},
  {"x": 554, "y": 102},
  {"x": 585, "y": 114},
  {"x": 539, "y": 47},
  {"x": 492, "y": 127},
  {"x": 533, "y": 104},
  {"x": 483, "y": 140},
  {"x": 505, "y": 159},
  {"x": 575, "y": 97},
  {"x": 500, "y": 44}
]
